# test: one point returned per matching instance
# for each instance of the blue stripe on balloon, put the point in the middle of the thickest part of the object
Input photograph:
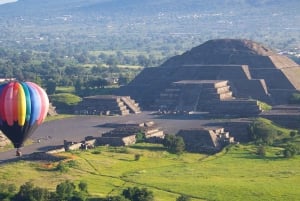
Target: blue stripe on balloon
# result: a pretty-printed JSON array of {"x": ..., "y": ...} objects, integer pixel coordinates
[{"x": 35, "y": 104}]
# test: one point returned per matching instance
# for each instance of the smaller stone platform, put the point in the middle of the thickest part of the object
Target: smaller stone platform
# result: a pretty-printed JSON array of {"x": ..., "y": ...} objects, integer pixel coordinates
[{"x": 107, "y": 105}]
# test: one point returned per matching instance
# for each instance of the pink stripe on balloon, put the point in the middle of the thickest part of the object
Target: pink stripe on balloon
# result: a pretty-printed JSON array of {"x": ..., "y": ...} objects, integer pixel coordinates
[{"x": 15, "y": 101}]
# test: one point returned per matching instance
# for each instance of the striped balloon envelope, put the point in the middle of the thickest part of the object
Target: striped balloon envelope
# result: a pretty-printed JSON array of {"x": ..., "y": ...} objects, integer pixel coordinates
[{"x": 23, "y": 107}]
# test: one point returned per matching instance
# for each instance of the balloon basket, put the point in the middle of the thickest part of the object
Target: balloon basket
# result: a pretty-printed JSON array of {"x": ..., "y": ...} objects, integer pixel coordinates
[{"x": 18, "y": 152}]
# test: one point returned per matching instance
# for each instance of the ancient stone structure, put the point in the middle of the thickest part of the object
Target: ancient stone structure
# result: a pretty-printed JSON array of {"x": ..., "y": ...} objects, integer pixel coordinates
[
  {"x": 285, "y": 115},
  {"x": 205, "y": 140},
  {"x": 107, "y": 105},
  {"x": 213, "y": 96},
  {"x": 4, "y": 141},
  {"x": 125, "y": 134},
  {"x": 252, "y": 72}
]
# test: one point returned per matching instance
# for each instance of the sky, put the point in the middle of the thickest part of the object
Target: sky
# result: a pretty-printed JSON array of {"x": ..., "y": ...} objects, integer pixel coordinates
[{"x": 7, "y": 1}]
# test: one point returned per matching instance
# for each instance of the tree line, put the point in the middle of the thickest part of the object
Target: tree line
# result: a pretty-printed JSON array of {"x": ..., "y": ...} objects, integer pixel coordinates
[
  {"x": 66, "y": 68},
  {"x": 69, "y": 191}
]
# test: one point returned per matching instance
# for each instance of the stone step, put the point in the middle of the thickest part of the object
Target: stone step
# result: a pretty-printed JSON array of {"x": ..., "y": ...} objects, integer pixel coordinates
[
  {"x": 157, "y": 133},
  {"x": 131, "y": 104}
]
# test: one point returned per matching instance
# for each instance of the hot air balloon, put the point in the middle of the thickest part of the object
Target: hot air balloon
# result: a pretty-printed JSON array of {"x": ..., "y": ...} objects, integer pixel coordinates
[{"x": 23, "y": 107}]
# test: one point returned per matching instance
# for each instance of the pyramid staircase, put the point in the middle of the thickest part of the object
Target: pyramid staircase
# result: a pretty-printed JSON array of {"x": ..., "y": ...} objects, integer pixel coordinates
[
  {"x": 132, "y": 106},
  {"x": 107, "y": 105},
  {"x": 213, "y": 96}
]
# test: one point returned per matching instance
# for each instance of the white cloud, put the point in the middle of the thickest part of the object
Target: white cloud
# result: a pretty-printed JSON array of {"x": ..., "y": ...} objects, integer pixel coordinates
[{"x": 7, "y": 1}]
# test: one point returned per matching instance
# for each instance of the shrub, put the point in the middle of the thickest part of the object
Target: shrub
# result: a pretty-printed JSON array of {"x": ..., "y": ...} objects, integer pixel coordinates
[
  {"x": 295, "y": 98},
  {"x": 293, "y": 133},
  {"x": 137, "y": 157},
  {"x": 140, "y": 137},
  {"x": 137, "y": 194},
  {"x": 174, "y": 144},
  {"x": 290, "y": 150},
  {"x": 62, "y": 167},
  {"x": 261, "y": 151},
  {"x": 264, "y": 106},
  {"x": 183, "y": 198},
  {"x": 29, "y": 192},
  {"x": 262, "y": 133}
]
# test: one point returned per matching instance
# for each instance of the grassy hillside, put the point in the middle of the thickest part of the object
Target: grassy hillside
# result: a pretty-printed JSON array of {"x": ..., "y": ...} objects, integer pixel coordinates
[{"x": 237, "y": 173}]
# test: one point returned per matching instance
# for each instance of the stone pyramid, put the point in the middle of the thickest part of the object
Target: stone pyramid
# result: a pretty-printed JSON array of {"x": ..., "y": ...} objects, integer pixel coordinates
[{"x": 252, "y": 71}]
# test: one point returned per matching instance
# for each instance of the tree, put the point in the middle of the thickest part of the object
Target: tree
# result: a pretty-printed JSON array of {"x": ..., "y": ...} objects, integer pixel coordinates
[
  {"x": 174, "y": 144},
  {"x": 123, "y": 80},
  {"x": 290, "y": 150},
  {"x": 65, "y": 190},
  {"x": 183, "y": 198},
  {"x": 28, "y": 192},
  {"x": 261, "y": 151},
  {"x": 262, "y": 133},
  {"x": 50, "y": 87},
  {"x": 83, "y": 186},
  {"x": 7, "y": 191},
  {"x": 116, "y": 198},
  {"x": 137, "y": 194},
  {"x": 293, "y": 133},
  {"x": 78, "y": 85}
]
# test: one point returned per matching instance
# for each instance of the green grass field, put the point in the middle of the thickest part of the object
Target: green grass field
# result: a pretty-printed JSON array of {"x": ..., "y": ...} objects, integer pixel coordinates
[{"x": 236, "y": 173}]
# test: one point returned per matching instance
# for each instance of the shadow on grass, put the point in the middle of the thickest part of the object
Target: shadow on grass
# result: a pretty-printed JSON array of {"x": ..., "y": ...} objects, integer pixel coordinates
[
  {"x": 258, "y": 157},
  {"x": 150, "y": 148},
  {"x": 36, "y": 156},
  {"x": 49, "y": 148}
]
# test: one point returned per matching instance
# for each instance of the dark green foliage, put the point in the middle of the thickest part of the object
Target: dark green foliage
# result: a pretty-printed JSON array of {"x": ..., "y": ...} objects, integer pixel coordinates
[
  {"x": 50, "y": 87},
  {"x": 28, "y": 192},
  {"x": 64, "y": 166},
  {"x": 65, "y": 190},
  {"x": 123, "y": 80},
  {"x": 140, "y": 137},
  {"x": 183, "y": 198},
  {"x": 293, "y": 133},
  {"x": 115, "y": 198},
  {"x": 290, "y": 150},
  {"x": 295, "y": 98},
  {"x": 7, "y": 191},
  {"x": 261, "y": 150},
  {"x": 262, "y": 133},
  {"x": 137, "y": 194},
  {"x": 96, "y": 83},
  {"x": 137, "y": 157},
  {"x": 174, "y": 144},
  {"x": 83, "y": 186}
]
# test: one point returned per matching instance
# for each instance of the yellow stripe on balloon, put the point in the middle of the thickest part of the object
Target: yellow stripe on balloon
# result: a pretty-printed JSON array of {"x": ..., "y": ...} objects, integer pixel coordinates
[{"x": 21, "y": 106}]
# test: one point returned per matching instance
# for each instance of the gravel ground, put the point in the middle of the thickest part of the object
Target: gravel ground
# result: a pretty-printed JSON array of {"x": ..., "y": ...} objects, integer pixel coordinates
[{"x": 52, "y": 134}]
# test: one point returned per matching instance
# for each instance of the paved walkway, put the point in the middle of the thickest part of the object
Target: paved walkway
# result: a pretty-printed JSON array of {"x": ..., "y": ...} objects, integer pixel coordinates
[{"x": 52, "y": 134}]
